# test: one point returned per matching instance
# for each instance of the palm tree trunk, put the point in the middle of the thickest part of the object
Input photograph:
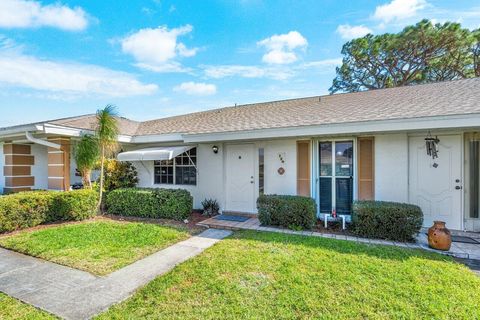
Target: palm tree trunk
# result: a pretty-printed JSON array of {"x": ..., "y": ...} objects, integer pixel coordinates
[
  {"x": 86, "y": 177},
  {"x": 102, "y": 163}
]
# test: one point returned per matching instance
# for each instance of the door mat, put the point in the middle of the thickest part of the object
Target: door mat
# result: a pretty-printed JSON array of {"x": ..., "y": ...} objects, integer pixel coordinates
[{"x": 231, "y": 218}]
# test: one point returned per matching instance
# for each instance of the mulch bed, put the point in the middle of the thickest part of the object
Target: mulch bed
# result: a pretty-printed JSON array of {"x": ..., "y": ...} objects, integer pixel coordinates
[
  {"x": 334, "y": 227},
  {"x": 195, "y": 217}
]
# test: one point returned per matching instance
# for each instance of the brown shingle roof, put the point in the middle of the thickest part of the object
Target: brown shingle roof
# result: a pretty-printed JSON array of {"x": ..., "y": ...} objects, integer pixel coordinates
[
  {"x": 127, "y": 126},
  {"x": 435, "y": 99}
]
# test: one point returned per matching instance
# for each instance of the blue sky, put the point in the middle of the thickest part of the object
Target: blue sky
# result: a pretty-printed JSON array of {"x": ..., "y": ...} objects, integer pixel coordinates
[{"x": 156, "y": 58}]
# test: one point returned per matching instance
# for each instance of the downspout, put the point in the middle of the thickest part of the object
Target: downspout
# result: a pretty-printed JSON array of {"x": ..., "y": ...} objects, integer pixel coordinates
[{"x": 42, "y": 142}]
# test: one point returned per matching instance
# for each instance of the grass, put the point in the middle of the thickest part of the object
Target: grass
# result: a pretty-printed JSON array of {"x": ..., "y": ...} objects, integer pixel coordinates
[
  {"x": 12, "y": 309},
  {"x": 259, "y": 275},
  {"x": 99, "y": 246}
]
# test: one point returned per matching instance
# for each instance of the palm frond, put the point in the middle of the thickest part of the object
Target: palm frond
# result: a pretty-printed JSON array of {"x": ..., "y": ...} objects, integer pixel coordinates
[
  {"x": 86, "y": 152},
  {"x": 107, "y": 129}
]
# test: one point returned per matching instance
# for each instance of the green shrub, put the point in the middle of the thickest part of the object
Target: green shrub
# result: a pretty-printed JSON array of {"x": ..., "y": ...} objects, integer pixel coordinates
[
  {"x": 119, "y": 174},
  {"x": 210, "y": 207},
  {"x": 386, "y": 220},
  {"x": 29, "y": 209},
  {"x": 150, "y": 203},
  {"x": 287, "y": 211},
  {"x": 75, "y": 205}
]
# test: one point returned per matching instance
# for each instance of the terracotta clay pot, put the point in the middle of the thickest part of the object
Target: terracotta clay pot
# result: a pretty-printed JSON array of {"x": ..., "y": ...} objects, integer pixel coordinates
[{"x": 439, "y": 236}]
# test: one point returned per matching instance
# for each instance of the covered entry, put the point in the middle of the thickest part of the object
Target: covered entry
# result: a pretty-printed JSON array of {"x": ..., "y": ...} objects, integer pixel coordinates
[
  {"x": 240, "y": 178},
  {"x": 435, "y": 184}
]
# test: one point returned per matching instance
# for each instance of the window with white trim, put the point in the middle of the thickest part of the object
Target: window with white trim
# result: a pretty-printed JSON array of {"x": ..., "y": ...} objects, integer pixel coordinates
[{"x": 179, "y": 171}]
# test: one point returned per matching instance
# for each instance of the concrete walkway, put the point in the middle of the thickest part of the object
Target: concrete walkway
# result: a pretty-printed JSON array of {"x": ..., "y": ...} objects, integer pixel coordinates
[{"x": 75, "y": 294}]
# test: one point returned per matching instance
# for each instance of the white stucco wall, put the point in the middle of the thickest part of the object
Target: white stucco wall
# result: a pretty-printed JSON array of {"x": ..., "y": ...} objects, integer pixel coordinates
[
  {"x": 40, "y": 168},
  {"x": 276, "y": 183},
  {"x": 391, "y": 167},
  {"x": 209, "y": 176},
  {"x": 2, "y": 162},
  {"x": 211, "y": 171}
]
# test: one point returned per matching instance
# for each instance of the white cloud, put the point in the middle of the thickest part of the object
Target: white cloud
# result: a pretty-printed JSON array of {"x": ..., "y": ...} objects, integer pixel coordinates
[
  {"x": 156, "y": 49},
  {"x": 398, "y": 10},
  {"x": 281, "y": 48},
  {"x": 196, "y": 88},
  {"x": 327, "y": 63},
  {"x": 224, "y": 71},
  {"x": 29, "y": 13},
  {"x": 349, "y": 32},
  {"x": 270, "y": 72},
  {"x": 65, "y": 78}
]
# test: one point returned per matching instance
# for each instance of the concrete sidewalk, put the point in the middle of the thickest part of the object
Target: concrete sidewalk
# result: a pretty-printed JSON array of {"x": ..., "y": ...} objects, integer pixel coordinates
[{"x": 75, "y": 294}]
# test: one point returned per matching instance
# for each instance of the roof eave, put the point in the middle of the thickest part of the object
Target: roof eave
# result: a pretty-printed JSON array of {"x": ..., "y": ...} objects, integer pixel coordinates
[
  {"x": 364, "y": 127},
  {"x": 20, "y": 130}
]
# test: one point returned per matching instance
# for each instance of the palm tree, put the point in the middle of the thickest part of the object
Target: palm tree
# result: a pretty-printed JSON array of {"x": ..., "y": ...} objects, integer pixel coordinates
[
  {"x": 86, "y": 157},
  {"x": 106, "y": 134}
]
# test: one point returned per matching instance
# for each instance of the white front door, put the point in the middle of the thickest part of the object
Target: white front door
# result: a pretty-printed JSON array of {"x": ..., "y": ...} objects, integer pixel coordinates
[
  {"x": 436, "y": 184},
  {"x": 240, "y": 178}
]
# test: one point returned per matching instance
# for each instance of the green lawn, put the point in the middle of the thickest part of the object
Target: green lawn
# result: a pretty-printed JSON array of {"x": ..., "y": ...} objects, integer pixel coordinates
[
  {"x": 99, "y": 246},
  {"x": 259, "y": 275},
  {"x": 12, "y": 309}
]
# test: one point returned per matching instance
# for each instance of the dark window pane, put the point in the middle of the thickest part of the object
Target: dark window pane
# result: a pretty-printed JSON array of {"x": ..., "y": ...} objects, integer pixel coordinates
[
  {"x": 185, "y": 175},
  {"x": 325, "y": 195},
  {"x": 325, "y": 159},
  {"x": 343, "y": 195},
  {"x": 344, "y": 158}
]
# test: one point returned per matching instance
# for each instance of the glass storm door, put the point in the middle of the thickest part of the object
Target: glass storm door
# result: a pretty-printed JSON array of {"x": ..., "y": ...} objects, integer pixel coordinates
[{"x": 336, "y": 176}]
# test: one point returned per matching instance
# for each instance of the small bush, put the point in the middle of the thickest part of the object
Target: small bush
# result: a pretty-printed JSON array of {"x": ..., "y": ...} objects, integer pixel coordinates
[
  {"x": 210, "y": 207},
  {"x": 150, "y": 203},
  {"x": 75, "y": 205},
  {"x": 286, "y": 211},
  {"x": 386, "y": 220},
  {"x": 29, "y": 209},
  {"x": 119, "y": 174}
]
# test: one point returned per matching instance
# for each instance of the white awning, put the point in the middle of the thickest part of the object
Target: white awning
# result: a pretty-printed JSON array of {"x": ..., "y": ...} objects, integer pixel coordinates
[{"x": 148, "y": 154}]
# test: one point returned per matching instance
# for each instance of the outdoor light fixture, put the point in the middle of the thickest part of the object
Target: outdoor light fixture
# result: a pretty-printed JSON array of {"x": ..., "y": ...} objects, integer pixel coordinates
[{"x": 215, "y": 149}]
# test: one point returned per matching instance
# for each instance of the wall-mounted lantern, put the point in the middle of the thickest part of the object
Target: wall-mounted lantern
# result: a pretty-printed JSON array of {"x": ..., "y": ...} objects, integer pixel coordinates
[{"x": 215, "y": 149}]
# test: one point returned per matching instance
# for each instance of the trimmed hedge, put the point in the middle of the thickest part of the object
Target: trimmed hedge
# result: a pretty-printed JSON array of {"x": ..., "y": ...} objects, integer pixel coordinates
[
  {"x": 74, "y": 205},
  {"x": 150, "y": 203},
  {"x": 386, "y": 220},
  {"x": 28, "y": 209},
  {"x": 286, "y": 211}
]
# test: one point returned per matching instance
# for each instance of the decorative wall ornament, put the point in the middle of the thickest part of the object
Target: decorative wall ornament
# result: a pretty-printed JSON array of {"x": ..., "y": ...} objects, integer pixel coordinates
[
  {"x": 281, "y": 157},
  {"x": 281, "y": 171},
  {"x": 431, "y": 144}
]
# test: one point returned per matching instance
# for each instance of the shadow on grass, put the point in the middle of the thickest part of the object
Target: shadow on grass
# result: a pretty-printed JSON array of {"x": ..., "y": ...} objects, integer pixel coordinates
[{"x": 341, "y": 246}]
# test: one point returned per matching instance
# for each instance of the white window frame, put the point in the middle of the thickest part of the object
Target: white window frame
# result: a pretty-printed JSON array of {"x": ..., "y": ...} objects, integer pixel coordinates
[
  {"x": 192, "y": 164},
  {"x": 315, "y": 172}
]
